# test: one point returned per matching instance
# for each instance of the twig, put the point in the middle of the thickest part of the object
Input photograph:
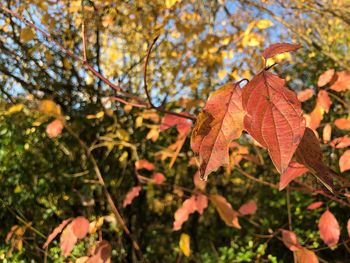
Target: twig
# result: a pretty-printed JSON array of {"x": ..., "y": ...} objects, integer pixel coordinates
[{"x": 83, "y": 31}]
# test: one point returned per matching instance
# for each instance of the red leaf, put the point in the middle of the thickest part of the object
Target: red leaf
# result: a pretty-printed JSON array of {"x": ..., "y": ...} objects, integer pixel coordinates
[
  {"x": 326, "y": 77},
  {"x": 329, "y": 229},
  {"x": 324, "y": 100},
  {"x": 80, "y": 227},
  {"x": 183, "y": 125},
  {"x": 220, "y": 122},
  {"x": 341, "y": 142},
  {"x": 68, "y": 240},
  {"x": 158, "y": 178},
  {"x": 293, "y": 171},
  {"x": 327, "y": 133},
  {"x": 309, "y": 154},
  {"x": 130, "y": 196},
  {"x": 279, "y": 48},
  {"x": 198, "y": 182},
  {"x": 290, "y": 240},
  {"x": 54, "y": 128},
  {"x": 343, "y": 81},
  {"x": 273, "y": 117},
  {"x": 344, "y": 161},
  {"x": 348, "y": 227},
  {"x": 248, "y": 208},
  {"x": 225, "y": 211},
  {"x": 304, "y": 95},
  {"x": 201, "y": 203},
  {"x": 102, "y": 253},
  {"x": 314, "y": 205},
  {"x": 144, "y": 164},
  {"x": 305, "y": 255},
  {"x": 342, "y": 123},
  {"x": 55, "y": 232}
]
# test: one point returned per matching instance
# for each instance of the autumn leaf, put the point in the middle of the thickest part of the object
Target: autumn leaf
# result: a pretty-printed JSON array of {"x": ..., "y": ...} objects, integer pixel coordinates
[
  {"x": 27, "y": 34},
  {"x": 54, "y": 128},
  {"x": 182, "y": 125},
  {"x": 327, "y": 133},
  {"x": 340, "y": 142},
  {"x": 184, "y": 244},
  {"x": 348, "y": 227},
  {"x": 342, "y": 123},
  {"x": 248, "y": 208},
  {"x": 102, "y": 253},
  {"x": 290, "y": 240},
  {"x": 279, "y": 48},
  {"x": 225, "y": 211},
  {"x": 15, "y": 108},
  {"x": 324, "y": 100},
  {"x": 326, "y": 77},
  {"x": 49, "y": 108},
  {"x": 198, "y": 182},
  {"x": 80, "y": 227},
  {"x": 218, "y": 124},
  {"x": 305, "y": 255},
  {"x": 131, "y": 195},
  {"x": 263, "y": 24},
  {"x": 314, "y": 205},
  {"x": 158, "y": 178},
  {"x": 305, "y": 95},
  {"x": 68, "y": 240},
  {"x": 329, "y": 229},
  {"x": 273, "y": 117},
  {"x": 293, "y": 171},
  {"x": 343, "y": 81},
  {"x": 309, "y": 154},
  {"x": 344, "y": 161},
  {"x": 144, "y": 164},
  {"x": 55, "y": 232}
]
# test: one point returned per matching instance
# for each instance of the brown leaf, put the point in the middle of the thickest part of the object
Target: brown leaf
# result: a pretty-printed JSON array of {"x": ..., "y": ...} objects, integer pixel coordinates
[
  {"x": 305, "y": 255},
  {"x": 305, "y": 95},
  {"x": 80, "y": 227},
  {"x": 326, "y": 77},
  {"x": 279, "y": 48},
  {"x": 309, "y": 154},
  {"x": 55, "y": 232},
  {"x": 293, "y": 171},
  {"x": 273, "y": 117},
  {"x": 248, "y": 208},
  {"x": 225, "y": 211},
  {"x": 327, "y": 133},
  {"x": 131, "y": 195},
  {"x": 329, "y": 229},
  {"x": 344, "y": 161},
  {"x": 314, "y": 205},
  {"x": 290, "y": 240},
  {"x": 220, "y": 122},
  {"x": 343, "y": 81},
  {"x": 68, "y": 240},
  {"x": 342, "y": 123},
  {"x": 102, "y": 253}
]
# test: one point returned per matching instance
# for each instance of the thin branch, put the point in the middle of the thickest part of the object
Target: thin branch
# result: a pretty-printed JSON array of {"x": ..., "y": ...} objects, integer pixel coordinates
[{"x": 83, "y": 31}]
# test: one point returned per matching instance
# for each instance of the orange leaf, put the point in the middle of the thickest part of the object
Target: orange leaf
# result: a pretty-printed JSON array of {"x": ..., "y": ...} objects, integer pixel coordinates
[
  {"x": 220, "y": 122},
  {"x": 55, "y": 232},
  {"x": 305, "y": 255},
  {"x": 326, "y": 77},
  {"x": 131, "y": 195},
  {"x": 273, "y": 117},
  {"x": 158, "y": 178},
  {"x": 343, "y": 81},
  {"x": 329, "y": 229},
  {"x": 327, "y": 133},
  {"x": 314, "y": 205},
  {"x": 304, "y": 95},
  {"x": 198, "y": 182},
  {"x": 248, "y": 208},
  {"x": 225, "y": 211},
  {"x": 316, "y": 117},
  {"x": 290, "y": 240},
  {"x": 309, "y": 154},
  {"x": 324, "y": 100},
  {"x": 68, "y": 240},
  {"x": 53, "y": 129},
  {"x": 183, "y": 125},
  {"x": 341, "y": 142},
  {"x": 342, "y": 123},
  {"x": 144, "y": 164},
  {"x": 344, "y": 161},
  {"x": 279, "y": 48},
  {"x": 80, "y": 227},
  {"x": 293, "y": 171},
  {"x": 348, "y": 227}
]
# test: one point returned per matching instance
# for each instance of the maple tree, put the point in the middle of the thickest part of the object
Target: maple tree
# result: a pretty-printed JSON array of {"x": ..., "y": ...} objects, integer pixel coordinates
[{"x": 154, "y": 131}]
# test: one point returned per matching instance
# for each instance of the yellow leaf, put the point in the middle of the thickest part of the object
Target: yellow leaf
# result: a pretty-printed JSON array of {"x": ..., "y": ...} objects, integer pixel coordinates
[
  {"x": 138, "y": 122},
  {"x": 15, "y": 108},
  {"x": 27, "y": 34},
  {"x": 49, "y": 107},
  {"x": 263, "y": 24},
  {"x": 170, "y": 3},
  {"x": 122, "y": 134},
  {"x": 222, "y": 74},
  {"x": 98, "y": 115},
  {"x": 184, "y": 244},
  {"x": 251, "y": 40}
]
